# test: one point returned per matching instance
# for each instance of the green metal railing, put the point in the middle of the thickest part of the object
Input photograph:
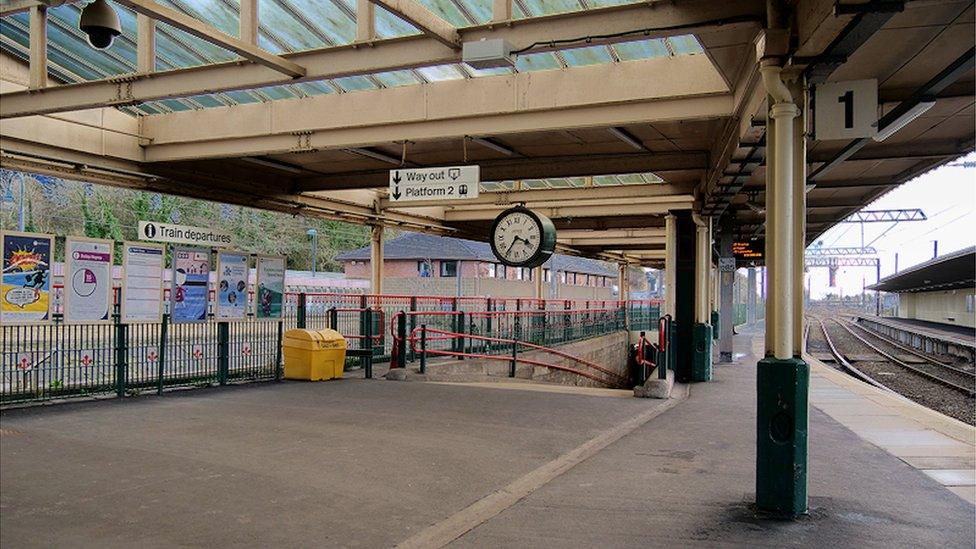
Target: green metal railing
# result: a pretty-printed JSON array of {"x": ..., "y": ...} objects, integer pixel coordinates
[{"x": 55, "y": 361}]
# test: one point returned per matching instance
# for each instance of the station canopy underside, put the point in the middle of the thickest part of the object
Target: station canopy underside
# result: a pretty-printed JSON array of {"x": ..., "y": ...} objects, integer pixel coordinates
[{"x": 615, "y": 113}]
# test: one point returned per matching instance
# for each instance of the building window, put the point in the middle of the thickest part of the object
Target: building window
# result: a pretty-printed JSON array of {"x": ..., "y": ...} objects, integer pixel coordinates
[
  {"x": 562, "y": 277},
  {"x": 491, "y": 270},
  {"x": 547, "y": 275},
  {"x": 528, "y": 273},
  {"x": 502, "y": 271},
  {"x": 424, "y": 269},
  {"x": 970, "y": 303},
  {"x": 519, "y": 273},
  {"x": 449, "y": 269}
]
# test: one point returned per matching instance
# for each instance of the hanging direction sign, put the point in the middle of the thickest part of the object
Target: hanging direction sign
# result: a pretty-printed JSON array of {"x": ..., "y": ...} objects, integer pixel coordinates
[{"x": 447, "y": 183}]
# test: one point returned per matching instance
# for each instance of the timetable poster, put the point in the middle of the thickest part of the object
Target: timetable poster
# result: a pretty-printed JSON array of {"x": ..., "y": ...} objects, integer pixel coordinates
[
  {"x": 25, "y": 291},
  {"x": 270, "y": 287},
  {"x": 87, "y": 280},
  {"x": 232, "y": 271},
  {"x": 191, "y": 274},
  {"x": 142, "y": 286}
]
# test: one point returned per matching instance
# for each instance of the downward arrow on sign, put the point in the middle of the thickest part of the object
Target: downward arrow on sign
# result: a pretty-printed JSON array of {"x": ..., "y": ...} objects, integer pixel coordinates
[{"x": 396, "y": 189}]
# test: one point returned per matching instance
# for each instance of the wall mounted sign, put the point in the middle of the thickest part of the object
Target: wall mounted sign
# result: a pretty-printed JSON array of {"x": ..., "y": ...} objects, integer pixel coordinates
[
  {"x": 191, "y": 274},
  {"x": 88, "y": 280},
  {"x": 184, "y": 234},
  {"x": 142, "y": 282},
  {"x": 25, "y": 291}
]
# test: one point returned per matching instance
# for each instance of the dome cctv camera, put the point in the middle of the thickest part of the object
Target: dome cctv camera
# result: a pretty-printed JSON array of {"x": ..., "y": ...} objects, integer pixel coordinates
[{"x": 100, "y": 22}]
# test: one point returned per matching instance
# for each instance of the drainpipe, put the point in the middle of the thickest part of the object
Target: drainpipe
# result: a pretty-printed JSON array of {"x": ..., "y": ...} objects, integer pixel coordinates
[{"x": 779, "y": 223}]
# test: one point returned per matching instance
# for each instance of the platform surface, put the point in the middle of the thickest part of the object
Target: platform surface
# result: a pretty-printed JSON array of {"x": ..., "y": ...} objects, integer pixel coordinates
[{"x": 378, "y": 463}]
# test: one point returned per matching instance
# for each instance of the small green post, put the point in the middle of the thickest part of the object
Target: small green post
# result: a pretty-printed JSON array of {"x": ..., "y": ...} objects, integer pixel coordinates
[
  {"x": 460, "y": 337},
  {"x": 163, "y": 330},
  {"x": 368, "y": 344},
  {"x": 278, "y": 365},
  {"x": 301, "y": 316},
  {"x": 701, "y": 363},
  {"x": 121, "y": 356},
  {"x": 223, "y": 352},
  {"x": 401, "y": 361}
]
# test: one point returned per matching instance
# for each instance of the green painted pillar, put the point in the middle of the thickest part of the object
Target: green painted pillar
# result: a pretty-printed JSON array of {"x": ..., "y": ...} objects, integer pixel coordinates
[
  {"x": 781, "y": 438},
  {"x": 701, "y": 364},
  {"x": 715, "y": 330},
  {"x": 684, "y": 292}
]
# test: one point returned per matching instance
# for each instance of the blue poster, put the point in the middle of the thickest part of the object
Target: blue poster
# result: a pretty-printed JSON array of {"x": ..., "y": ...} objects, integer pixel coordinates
[
  {"x": 232, "y": 271},
  {"x": 191, "y": 274}
]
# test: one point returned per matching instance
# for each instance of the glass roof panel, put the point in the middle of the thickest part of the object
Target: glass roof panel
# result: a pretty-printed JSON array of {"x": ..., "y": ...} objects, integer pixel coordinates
[
  {"x": 447, "y": 10},
  {"x": 354, "y": 83},
  {"x": 335, "y": 20},
  {"x": 592, "y": 55},
  {"x": 641, "y": 49},
  {"x": 536, "y": 62},
  {"x": 685, "y": 44},
  {"x": 396, "y": 78},
  {"x": 439, "y": 73},
  {"x": 536, "y": 8}
]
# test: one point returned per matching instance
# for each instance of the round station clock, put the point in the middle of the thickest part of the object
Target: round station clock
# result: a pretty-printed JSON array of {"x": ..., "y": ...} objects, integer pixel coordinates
[{"x": 522, "y": 238}]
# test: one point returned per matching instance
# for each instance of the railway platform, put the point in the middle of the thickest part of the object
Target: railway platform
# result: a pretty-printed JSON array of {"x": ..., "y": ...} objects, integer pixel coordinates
[{"x": 373, "y": 463}]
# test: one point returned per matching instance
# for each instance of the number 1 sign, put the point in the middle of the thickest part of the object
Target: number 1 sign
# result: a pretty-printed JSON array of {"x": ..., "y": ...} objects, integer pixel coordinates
[{"x": 846, "y": 110}]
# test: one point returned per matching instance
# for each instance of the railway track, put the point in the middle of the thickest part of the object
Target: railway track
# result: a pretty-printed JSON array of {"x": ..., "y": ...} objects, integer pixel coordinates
[
  {"x": 946, "y": 389},
  {"x": 933, "y": 370}
]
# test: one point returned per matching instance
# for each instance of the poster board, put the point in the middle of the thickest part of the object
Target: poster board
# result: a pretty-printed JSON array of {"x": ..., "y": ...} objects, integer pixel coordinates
[
  {"x": 25, "y": 288},
  {"x": 191, "y": 275},
  {"x": 142, "y": 282},
  {"x": 88, "y": 280},
  {"x": 232, "y": 270},
  {"x": 270, "y": 287}
]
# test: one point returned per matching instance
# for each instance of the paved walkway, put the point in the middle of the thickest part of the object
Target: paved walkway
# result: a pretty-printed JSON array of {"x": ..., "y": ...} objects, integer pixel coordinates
[{"x": 379, "y": 463}]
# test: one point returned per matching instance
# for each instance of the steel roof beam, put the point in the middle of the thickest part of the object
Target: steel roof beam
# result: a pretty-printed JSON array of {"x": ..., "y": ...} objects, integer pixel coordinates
[
  {"x": 395, "y": 54},
  {"x": 210, "y": 34},
  {"x": 422, "y": 18},
  {"x": 659, "y": 208}
]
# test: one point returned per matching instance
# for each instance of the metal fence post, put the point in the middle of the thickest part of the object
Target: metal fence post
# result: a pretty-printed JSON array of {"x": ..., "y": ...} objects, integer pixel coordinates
[
  {"x": 567, "y": 322},
  {"x": 121, "y": 356},
  {"x": 301, "y": 315},
  {"x": 641, "y": 374},
  {"x": 402, "y": 336},
  {"x": 278, "y": 366},
  {"x": 223, "y": 352},
  {"x": 334, "y": 319},
  {"x": 413, "y": 323},
  {"x": 511, "y": 368},
  {"x": 368, "y": 344},
  {"x": 163, "y": 330},
  {"x": 423, "y": 348},
  {"x": 460, "y": 338}
]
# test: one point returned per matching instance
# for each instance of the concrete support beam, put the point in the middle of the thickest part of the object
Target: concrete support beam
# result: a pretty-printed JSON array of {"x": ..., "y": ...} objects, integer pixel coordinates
[
  {"x": 622, "y": 282},
  {"x": 38, "y": 47},
  {"x": 146, "y": 43},
  {"x": 670, "y": 265},
  {"x": 365, "y": 21},
  {"x": 400, "y": 53},
  {"x": 425, "y": 20},
  {"x": 207, "y": 32},
  {"x": 249, "y": 22},
  {"x": 376, "y": 260}
]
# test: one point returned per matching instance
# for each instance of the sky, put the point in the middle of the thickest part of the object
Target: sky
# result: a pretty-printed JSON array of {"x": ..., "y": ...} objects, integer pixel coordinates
[{"x": 946, "y": 195}]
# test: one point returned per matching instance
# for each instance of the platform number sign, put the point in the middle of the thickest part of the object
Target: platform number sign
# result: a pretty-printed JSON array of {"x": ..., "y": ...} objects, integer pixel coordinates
[{"x": 846, "y": 110}]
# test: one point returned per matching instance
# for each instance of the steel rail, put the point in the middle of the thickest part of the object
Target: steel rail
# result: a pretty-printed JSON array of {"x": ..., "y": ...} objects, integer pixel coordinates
[
  {"x": 895, "y": 361},
  {"x": 847, "y": 365},
  {"x": 915, "y": 352}
]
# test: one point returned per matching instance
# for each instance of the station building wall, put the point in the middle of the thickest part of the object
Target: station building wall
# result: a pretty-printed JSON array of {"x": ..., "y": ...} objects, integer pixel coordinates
[
  {"x": 400, "y": 278},
  {"x": 948, "y": 307}
]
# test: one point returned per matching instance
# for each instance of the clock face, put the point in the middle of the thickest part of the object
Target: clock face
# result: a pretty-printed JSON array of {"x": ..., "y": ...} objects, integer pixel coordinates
[{"x": 517, "y": 237}]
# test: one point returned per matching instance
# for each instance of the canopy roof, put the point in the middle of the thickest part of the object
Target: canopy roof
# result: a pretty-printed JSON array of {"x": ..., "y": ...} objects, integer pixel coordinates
[{"x": 953, "y": 271}]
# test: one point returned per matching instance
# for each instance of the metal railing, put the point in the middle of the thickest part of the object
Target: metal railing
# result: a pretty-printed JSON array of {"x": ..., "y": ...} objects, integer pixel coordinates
[{"x": 60, "y": 361}]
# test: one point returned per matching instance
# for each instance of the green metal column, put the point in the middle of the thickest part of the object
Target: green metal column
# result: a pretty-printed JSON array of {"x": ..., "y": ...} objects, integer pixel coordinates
[
  {"x": 301, "y": 314},
  {"x": 701, "y": 366},
  {"x": 121, "y": 356},
  {"x": 684, "y": 292},
  {"x": 782, "y": 423}
]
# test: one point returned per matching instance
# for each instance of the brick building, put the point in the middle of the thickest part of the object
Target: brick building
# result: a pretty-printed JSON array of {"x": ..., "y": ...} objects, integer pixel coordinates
[{"x": 421, "y": 264}]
